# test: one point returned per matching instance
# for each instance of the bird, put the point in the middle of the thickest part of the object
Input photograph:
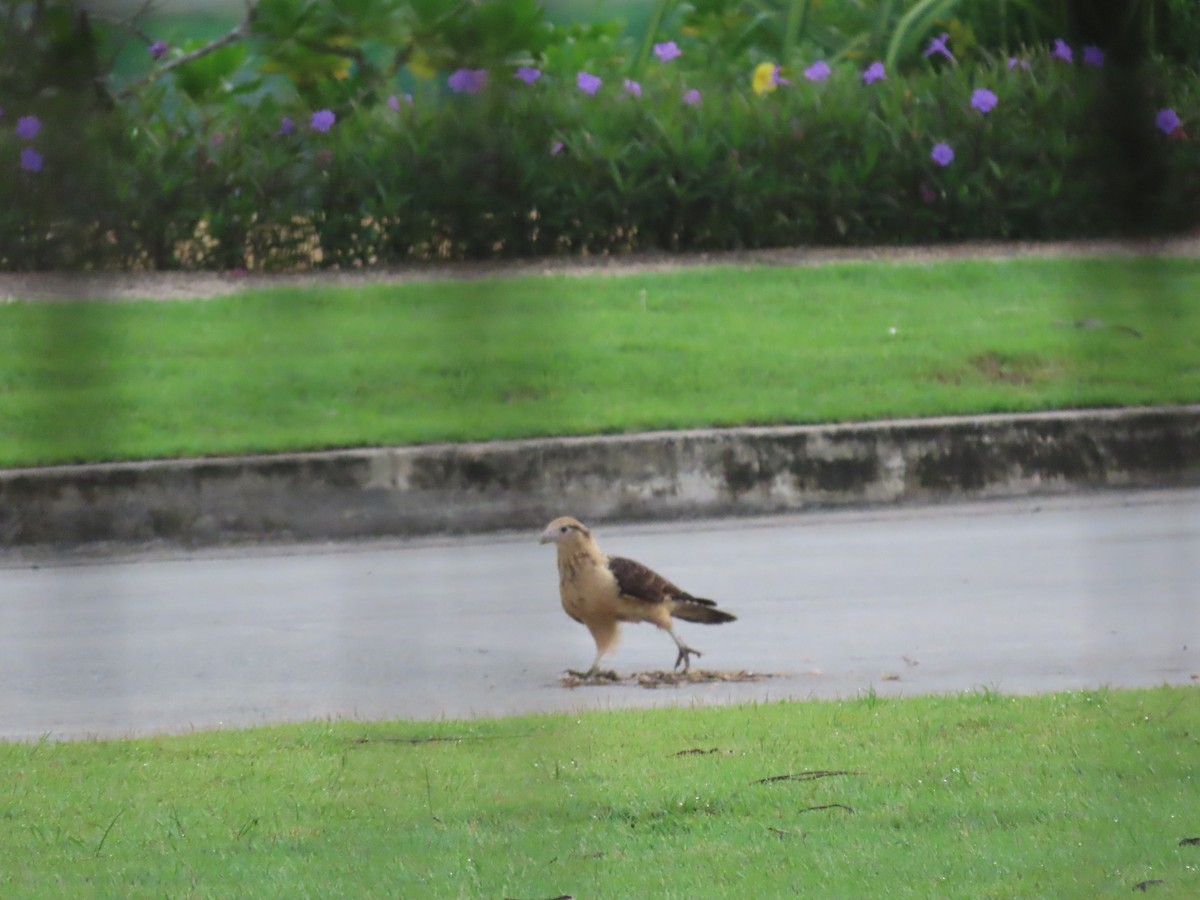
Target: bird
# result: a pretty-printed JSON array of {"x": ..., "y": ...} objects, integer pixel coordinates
[{"x": 601, "y": 591}]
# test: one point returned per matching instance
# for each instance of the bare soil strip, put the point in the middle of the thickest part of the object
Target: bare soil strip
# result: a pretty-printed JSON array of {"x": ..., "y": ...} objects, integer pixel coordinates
[{"x": 51, "y": 286}]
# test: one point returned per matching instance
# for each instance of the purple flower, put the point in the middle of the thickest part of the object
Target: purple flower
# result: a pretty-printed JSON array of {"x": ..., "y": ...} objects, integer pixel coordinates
[
  {"x": 588, "y": 83},
  {"x": 873, "y": 73},
  {"x": 322, "y": 120},
  {"x": 942, "y": 154},
  {"x": 28, "y": 127},
  {"x": 938, "y": 45},
  {"x": 667, "y": 52},
  {"x": 286, "y": 125},
  {"x": 984, "y": 100},
  {"x": 818, "y": 71},
  {"x": 528, "y": 74},
  {"x": 393, "y": 102},
  {"x": 1093, "y": 56},
  {"x": 1062, "y": 50},
  {"x": 31, "y": 160},
  {"x": 632, "y": 87},
  {"x": 556, "y": 148},
  {"x": 692, "y": 97},
  {"x": 1016, "y": 62},
  {"x": 1167, "y": 120},
  {"x": 158, "y": 49},
  {"x": 467, "y": 81}
]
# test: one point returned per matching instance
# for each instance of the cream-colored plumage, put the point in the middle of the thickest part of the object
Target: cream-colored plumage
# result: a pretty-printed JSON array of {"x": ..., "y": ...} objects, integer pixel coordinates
[{"x": 600, "y": 592}]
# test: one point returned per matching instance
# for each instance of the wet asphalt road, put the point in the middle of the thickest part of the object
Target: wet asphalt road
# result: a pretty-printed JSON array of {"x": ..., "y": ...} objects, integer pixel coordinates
[{"x": 1014, "y": 596}]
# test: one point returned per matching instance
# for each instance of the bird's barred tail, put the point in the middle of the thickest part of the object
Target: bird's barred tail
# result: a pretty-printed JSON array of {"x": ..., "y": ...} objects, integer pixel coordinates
[{"x": 697, "y": 609}]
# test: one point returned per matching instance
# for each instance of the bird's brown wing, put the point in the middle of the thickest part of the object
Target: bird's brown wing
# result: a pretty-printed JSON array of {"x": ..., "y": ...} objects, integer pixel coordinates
[{"x": 643, "y": 583}]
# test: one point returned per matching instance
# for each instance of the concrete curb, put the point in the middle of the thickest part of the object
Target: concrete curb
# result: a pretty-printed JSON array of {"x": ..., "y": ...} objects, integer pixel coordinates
[{"x": 657, "y": 476}]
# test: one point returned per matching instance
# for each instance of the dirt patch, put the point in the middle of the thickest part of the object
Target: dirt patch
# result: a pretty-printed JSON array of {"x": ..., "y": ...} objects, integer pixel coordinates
[
  {"x": 659, "y": 679},
  {"x": 49, "y": 286},
  {"x": 999, "y": 368}
]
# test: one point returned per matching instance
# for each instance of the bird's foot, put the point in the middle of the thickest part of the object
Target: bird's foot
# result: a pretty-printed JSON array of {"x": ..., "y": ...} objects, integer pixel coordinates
[{"x": 685, "y": 654}]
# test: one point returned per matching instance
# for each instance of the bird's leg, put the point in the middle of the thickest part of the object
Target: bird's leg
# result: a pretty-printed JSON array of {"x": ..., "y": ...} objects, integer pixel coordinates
[
  {"x": 685, "y": 652},
  {"x": 594, "y": 671}
]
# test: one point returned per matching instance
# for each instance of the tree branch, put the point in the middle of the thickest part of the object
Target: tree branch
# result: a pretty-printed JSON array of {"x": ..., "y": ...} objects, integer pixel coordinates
[
  {"x": 129, "y": 24},
  {"x": 237, "y": 33}
]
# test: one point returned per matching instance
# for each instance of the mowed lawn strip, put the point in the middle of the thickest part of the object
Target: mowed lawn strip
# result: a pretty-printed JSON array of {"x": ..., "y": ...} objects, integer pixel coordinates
[
  {"x": 1082, "y": 795},
  {"x": 306, "y": 369}
]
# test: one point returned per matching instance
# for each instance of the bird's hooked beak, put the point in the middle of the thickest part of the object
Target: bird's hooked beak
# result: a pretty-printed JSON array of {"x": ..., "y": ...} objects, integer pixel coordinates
[{"x": 560, "y": 530}]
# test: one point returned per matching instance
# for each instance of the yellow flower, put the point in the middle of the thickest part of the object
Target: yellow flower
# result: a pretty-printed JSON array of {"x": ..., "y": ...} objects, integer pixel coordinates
[
  {"x": 962, "y": 36},
  {"x": 421, "y": 65},
  {"x": 339, "y": 66},
  {"x": 764, "y": 78}
]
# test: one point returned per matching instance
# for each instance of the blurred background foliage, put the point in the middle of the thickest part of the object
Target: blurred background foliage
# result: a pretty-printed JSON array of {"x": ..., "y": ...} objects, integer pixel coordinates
[{"x": 199, "y": 151}]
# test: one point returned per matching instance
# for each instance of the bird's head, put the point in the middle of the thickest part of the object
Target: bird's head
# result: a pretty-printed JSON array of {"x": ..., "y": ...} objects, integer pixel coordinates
[{"x": 565, "y": 531}]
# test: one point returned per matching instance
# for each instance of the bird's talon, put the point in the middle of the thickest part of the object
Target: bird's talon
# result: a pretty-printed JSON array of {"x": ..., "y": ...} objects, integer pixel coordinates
[{"x": 685, "y": 654}]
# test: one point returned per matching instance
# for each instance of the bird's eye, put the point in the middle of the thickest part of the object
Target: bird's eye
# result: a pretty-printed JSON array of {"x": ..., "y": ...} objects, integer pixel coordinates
[{"x": 564, "y": 529}]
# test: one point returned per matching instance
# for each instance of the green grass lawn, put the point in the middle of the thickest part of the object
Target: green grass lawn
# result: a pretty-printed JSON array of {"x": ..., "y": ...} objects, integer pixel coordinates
[
  {"x": 294, "y": 369},
  {"x": 1081, "y": 795}
]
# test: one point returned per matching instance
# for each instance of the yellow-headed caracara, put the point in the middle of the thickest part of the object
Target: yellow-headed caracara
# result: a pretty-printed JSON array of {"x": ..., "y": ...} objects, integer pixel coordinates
[{"x": 602, "y": 591}]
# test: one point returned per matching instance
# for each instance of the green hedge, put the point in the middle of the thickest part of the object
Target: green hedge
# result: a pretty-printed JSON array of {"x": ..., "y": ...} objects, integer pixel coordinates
[{"x": 519, "y": 170}]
